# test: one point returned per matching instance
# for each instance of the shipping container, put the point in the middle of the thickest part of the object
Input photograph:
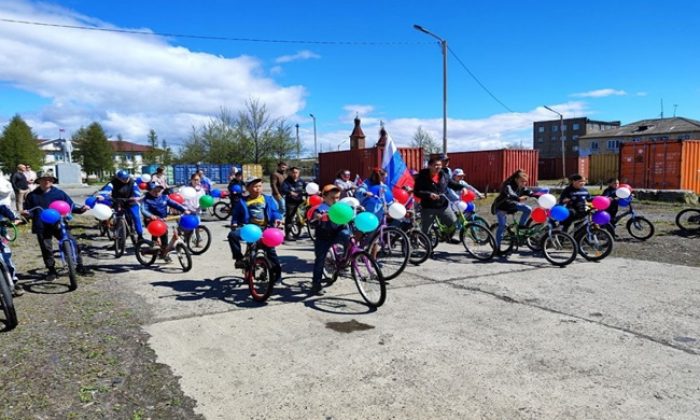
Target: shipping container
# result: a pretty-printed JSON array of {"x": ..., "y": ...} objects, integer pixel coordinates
[
  {"x": 182, "y": 173},
  {"x": 550, "y": 168},
  {"x": 487, "y": 169},
  {"x": 603, "y": 167},
  {"x": 362, "y": 161},
  {"x": 661, "y": 165}
]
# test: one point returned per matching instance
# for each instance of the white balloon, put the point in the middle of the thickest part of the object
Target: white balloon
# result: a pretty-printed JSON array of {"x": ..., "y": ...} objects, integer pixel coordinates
[
  {"x": 460, "y": 206},
  {"x": 146, "y": 178},
  {"x": 101, "y": 211},
  {"x": 188, "y": 193},
  {"x": 623, "y": 192},
  {"x": 351, "y": 201},
  {"x": 547, "y": 201},
  {"x": 312, "y": 188},
  {"x": 397, "y": 211}
]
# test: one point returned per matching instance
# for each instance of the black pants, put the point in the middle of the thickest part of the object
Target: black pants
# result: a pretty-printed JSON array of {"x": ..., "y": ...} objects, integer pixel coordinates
[
  {"x": 234, "y": 241},
  {"x": 291, "y": 210},
  {"x": 45, "y": 239},
  {"x": 574, "y": 215}
]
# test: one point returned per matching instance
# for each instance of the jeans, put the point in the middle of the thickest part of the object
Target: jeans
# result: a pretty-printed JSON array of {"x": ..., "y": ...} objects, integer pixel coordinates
[
  {"x": 7, "y": 257},
  {"x": 321, "y": 247},
  {"x": 502, "y": 217},
  {"x": 447, "y": 217},
  {"x": 281, "y": 204}
]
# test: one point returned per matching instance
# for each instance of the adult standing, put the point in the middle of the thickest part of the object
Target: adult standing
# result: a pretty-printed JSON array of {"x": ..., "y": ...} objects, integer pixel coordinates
[
  {"x": 276, "y": 180},
  {"x": 20, "y": 186},
  {"x": 293, "y": 189},
  {"x": 431, "y": 187},
  {"x": 31, "y": 177},
  {"x": 159, "y": 178},
  {"x": 342, "y": 181}
]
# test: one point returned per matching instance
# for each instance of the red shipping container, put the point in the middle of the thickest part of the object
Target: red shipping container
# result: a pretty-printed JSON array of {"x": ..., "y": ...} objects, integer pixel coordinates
[
  {"x": 661, "y": 165},
  {"x": 550, "y": 168},
  {"x": 362, "y": 161}
]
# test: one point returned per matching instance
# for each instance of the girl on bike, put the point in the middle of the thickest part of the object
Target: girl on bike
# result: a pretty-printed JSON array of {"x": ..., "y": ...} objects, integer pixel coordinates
[
  {"x": 574, "y": 197},
  {"x": 511, "y": 200},
  {"x": 155, "y": 207},
  {"x": 368, "y": 193},
  {"x": 342, "y": 181},
  {"x": 192, "y": 204}
]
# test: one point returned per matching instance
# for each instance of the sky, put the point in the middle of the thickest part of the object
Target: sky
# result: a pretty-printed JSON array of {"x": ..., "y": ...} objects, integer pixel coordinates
[{"x": 612, "y": 60}]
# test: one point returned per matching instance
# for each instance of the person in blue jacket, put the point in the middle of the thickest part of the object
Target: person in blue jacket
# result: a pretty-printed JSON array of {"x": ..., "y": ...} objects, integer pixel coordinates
[
  {"x": 368, "y": 193},
  {"x": 123, "y": 187},
  {"x": 38, "y": 200},
  {"x": 260, "y": 210},
  {"x": 154, "y": 206},
  {"x": 7, "y": 213}
]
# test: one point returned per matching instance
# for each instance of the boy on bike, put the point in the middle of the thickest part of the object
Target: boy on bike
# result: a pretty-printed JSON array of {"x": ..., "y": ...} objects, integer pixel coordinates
[
  {"x": 327, "y": 234},
  {"x": 155, "y": 207},
  {"x": 39, "y": 200},
  {"x": 575, "y": 197},
  {"x": 7, "y": 213},
  {"x": 257, "y": 209},
  {"x": 123, "y": 187}
]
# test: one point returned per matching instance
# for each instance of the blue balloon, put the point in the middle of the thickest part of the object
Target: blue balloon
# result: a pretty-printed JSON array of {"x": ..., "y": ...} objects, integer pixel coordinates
[
  {"x": 216, "y": 193},
  {"x": 50, "y": 216},
  {"x": 251, "y": 233},
  {"x": 236, "y": 189},
  {"x": 366, "y": 222},
  {"x": 624, "y": 202},
  {"x": 138, "y": 180},
  {"x": 559, "y": 213},
  {"x": 189, "y": 221},
  {"x": 91, "y": 201},
  {"x": 471, "y": 208}
]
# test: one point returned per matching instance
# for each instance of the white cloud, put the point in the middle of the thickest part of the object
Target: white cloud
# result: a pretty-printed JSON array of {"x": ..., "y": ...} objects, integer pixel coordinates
[
  {"x": 641, "y": 94},
  {"x": 600, "y": 93},
  {"x": 301, "y": 55},
  {"x": 130, "y": 83}
]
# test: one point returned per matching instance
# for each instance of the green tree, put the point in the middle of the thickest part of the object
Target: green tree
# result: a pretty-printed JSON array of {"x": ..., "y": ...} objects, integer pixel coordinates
[
  {"x": 167, "y": 157},
  {"x": 154, "y": 155},
  {"x": 425, "y": 141},
  {"x": 94, "y": 150},
  {"x": 19, "y": 145}
]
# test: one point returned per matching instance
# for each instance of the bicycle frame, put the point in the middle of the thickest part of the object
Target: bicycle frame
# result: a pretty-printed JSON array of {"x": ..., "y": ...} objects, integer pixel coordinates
[
  {"x": 629, "y": 212},
  {"x": 63, "y": 228}
]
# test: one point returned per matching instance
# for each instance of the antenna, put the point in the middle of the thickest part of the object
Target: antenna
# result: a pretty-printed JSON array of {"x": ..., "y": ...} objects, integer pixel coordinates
[
  {"x": 662, "y": 108},
  {"x": 674, "y": 110}
]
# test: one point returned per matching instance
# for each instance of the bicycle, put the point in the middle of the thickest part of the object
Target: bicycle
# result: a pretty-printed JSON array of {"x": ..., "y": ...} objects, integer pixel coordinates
[
  {"x": 67, "y": 249},
  {"x": 6, "y": 298},
  {"x": 198, "y": 240},
  {"x": 258, "y": 273},
  {"x": 147, "y": 251},
  {"x": 474, "y": 235},
  {"x": 639, "y": 227},
  {"x": 123, "y": 226},
  {"x": 389, "y": 246},
  {"x": 8, "y": 230},
  {"x": 594, "y": 242},
  {"x": 421, "y": 246},
  {"x": 688, "y": 220},
  {"x": 364, "y": 270},
  {"x": 222, "y": 210},
  {"x": 299, "y": 222}
]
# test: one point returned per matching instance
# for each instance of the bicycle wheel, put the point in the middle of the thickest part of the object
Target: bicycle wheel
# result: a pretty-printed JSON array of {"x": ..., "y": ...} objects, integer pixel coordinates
[
  {"x": 9, "y": 232},
  {"x": 368, "y": 278},
  {"x": 8, "y": 305},
  {"x": 183, "y": 257},
  {"x": 199, "y": 240},
  {"x": 119, "y": 237},
  {"x": 391, "y": 249},
  {"x": 640, "y": 228},
  {"x": 434, "y": 235},
  {"x": 330, "y": 267},
  {"x": 688, "y": 220},
  {"x": 311, "y": 230},
  {"x": 478, "y": 241},
  {"x": 537, "y": 233},
  {"x": 508, "y": 240},
  {"x": 222, "y": 210},
  {"x": 478, "y": 220},
  {"x": 297, "y": 226},
  {"x": 596, "y": 244},
  {"x": 69, "y": 250},
  {"x": 421, "y": 247},
  {"x": 559, "y": 248},
  {"x": 145, "y": 252},
  {"x": 260, "y": 278}
]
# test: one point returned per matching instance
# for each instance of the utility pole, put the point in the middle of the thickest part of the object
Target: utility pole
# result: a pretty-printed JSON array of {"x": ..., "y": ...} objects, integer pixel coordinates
[
  {"x": 561, "y": 137},
  {"x": 298, "y": 143}
]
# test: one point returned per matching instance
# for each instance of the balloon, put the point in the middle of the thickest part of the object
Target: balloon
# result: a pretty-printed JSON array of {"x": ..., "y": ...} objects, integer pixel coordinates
[
  {"x": 101, "y": 211},
  {"x": 237, "y": 189},
  {"x": 601, "y": 202},
  {"x": 143, "y": 185},
  {"x": 138, "y": 181},
  {"x": 539, "y": 215},
  {"x": 625, "y": 186},
  {"x": 188, "y": 192},
  {"x": 60, "y": 206},
  {"x": 351, "y": 201},
  {"x": 601, "y": 217},
  {"x": 50, "y": 216},
  {"x": 400, "y": 195},
  {"x": 471, "y": 208},
  {"x": 623, "y": 192},
  {"x": 251, "y": 233},
  {"x": 366, "y": 222},
  {"x": 547, "y": 201},
  {"x": 177, "y": 197},
  {"x": 468, "y": 196},
  {"x": 459, "y": 206},
  {"x": 315, "y": 200},
  {"x": 397, "y": 211},
  {"x": 157, "y": 228},
  {"x": 340, "y": 213},
  {"x": 216, "y": 193},
  {"x": 91, "y": 201},
  {"x": 224, "y": 194},
  {"x": 388, "y": 196},
  {"x": 206, "y": 201},
  {"x": 145, "y": 178},
  {"x": 272, "y": 237},
  {"x": 624, "y": 202},
  {"x": 310, "y": 212},
  {"x": 559, "y": 213},
  {"x": 189, "y": 221},
  {"x": 312, "y": 188}
]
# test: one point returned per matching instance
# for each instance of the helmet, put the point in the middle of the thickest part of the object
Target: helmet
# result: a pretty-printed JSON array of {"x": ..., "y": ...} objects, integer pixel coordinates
[
  {"x": 123, "y": 175},
  {"x": 152, "y": 186}
]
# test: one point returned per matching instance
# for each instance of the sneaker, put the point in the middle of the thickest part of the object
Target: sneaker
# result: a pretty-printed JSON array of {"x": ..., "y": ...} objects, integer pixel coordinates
[
  {"x": 51, "y": 275},
  {"x": 316, "y": 290},
  {"x": 454, "y": 241},
  {"x": 239, "y": 264},
  {"x": 167, "y": 259},
  {"x": 17, "y": 291}
]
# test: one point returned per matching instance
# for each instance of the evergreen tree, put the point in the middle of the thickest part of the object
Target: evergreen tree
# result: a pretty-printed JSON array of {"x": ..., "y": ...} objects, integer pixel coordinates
[
  {"x": 154, "y": 155},
  {"x": 94, "y": 150},
  {"x": 19, "y": 145}
]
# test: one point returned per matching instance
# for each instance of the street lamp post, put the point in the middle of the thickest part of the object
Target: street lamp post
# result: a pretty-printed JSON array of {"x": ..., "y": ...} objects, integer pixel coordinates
[
  {"x": 315, "y": 148},
  {"x": 561, "y": 137},
  {"x": 443, "y": 45},
  {"x": 298, "y": 143}
]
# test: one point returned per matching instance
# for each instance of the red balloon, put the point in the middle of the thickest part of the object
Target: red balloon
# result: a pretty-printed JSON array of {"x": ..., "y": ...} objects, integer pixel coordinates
[
  {"x": 315, "y": 200},
  {"x": 224, "y": 193},
  {"x": 157, "y": 228},
  {"x": 143, "y": 185},
  {"x": 539, "y": 215},
  {"x": 400, "y": 195},
  {"x": 177, "y": 197},
  {"x": 625, "y": 186},
  {"x": 468, "y": 196}
]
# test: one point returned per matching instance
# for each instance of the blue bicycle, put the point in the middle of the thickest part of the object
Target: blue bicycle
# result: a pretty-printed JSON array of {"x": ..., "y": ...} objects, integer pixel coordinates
[{"x": 67, "y": 249}]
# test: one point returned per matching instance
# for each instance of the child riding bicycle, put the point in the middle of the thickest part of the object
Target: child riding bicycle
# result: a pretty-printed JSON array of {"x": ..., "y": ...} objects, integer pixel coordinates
[
  {"x": 511, "y": 200},
  {"x": 155, "y": 207}
]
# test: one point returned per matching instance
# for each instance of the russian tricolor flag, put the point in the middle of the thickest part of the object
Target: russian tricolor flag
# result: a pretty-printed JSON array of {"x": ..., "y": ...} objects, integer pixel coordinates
[{"x": 396, "y": 170}]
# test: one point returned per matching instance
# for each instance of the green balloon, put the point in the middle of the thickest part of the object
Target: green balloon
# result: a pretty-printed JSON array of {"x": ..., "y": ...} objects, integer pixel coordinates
[
  {"x": 206, "y": 201},
  {"x": 341, "y": 213}
]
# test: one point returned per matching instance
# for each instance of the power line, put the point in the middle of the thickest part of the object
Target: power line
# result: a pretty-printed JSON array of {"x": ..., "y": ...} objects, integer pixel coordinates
[
  {"x": 211, "y": 37},
  {"x": 476, "y": 79}
]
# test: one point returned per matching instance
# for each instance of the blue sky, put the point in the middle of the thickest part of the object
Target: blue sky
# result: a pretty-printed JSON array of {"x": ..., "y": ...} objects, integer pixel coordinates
[{"x": 609, "y": 60}]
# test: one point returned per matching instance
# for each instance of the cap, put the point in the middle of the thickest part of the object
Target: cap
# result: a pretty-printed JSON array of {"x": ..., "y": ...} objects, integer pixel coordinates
[
  {"x": 252, "y": 180},
  {"x": 46, "y": 176},
  {"x": 444, "y": 156},
  {"x": 458, "y": 172},
  {"x": 152, "y": 186},
  {"x": 330, "y": 187}
]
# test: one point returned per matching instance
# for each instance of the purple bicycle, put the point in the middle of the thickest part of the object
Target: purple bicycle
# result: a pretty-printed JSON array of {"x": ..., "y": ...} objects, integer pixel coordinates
[{"x": 363, "y": 268}]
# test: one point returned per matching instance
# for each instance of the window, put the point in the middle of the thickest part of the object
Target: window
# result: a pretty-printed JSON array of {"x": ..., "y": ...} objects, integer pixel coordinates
[
  {"x": 554, "y": 138},
  {"x": 540, "y": 129},
  {"x": 555, "y": 128},
  {"x": 564, "y": 128},
  {"x": 540, "y": 139},
  {"x": 576, "y": 126},
  {"x": 613, "y": 144},
  {"x": 594, "y": 146},
  {"x": 565, "y": 138},
  {"x": 574, "y": 138}
]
